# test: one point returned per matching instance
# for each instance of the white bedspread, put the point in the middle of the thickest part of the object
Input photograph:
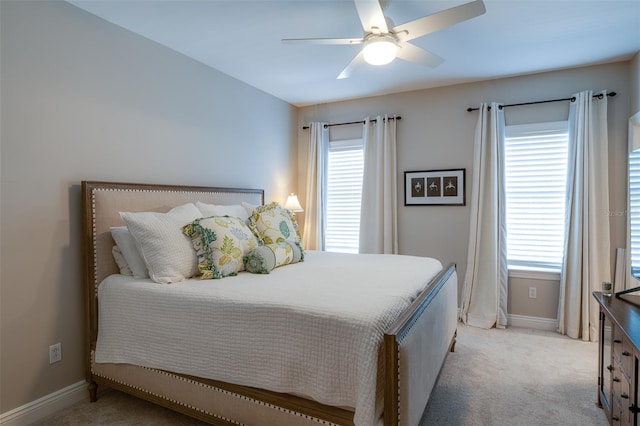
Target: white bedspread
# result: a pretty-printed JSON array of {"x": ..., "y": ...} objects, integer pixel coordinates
[{"x": 312, "y": 328}]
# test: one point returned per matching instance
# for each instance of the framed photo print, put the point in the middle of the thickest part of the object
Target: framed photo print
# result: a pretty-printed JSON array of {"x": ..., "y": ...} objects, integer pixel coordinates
[{"x": 434, "y": 188}]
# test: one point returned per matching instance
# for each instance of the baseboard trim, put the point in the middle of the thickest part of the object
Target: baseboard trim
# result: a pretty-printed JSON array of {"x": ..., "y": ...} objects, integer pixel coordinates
[
  {"x": 45, "y": 406},
  {"x": 537, "y": 323}
]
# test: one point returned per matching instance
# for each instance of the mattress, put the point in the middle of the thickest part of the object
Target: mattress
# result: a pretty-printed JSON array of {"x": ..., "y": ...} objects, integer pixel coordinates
[{"x": 312, "y": 328}]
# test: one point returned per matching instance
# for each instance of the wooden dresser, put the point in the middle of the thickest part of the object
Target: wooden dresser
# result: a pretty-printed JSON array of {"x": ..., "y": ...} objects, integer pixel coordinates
[{"x": 618, "y": 357}]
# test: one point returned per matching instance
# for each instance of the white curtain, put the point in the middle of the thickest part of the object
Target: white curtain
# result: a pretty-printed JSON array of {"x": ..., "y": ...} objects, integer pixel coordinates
[
  {"x": 379, "y": 207},
  {"x": 587, "y": 252},
  {"x": 314, "y": 223},
  {"x": 484, "y": 302}
]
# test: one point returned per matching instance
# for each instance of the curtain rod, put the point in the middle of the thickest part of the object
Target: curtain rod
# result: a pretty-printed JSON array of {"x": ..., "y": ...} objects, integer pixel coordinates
[
  {"x": 353, "y": 122},
  {"x": 572, "y": 99}
]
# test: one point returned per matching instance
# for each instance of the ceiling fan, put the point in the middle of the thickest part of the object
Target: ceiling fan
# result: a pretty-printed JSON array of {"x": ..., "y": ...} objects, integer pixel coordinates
[{"x": 383, "y": 41}]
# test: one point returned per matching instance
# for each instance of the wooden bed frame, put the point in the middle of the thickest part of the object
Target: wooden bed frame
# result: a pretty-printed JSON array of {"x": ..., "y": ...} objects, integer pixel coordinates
[{"x": 412, "y": 354}]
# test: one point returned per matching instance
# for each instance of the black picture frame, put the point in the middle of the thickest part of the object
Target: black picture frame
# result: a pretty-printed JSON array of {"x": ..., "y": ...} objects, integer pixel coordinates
[{"x": 444, "y": 187}]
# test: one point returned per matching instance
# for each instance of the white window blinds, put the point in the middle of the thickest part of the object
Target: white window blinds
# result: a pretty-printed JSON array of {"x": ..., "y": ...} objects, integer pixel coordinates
[
  {"x": 535, "y": 175},
  {"x": 634, "y": 207},
  {"x": 345, "y": 166}
]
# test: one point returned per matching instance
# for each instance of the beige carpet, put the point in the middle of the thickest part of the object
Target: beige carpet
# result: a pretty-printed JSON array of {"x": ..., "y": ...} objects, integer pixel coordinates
[
  {"x": 517, "y": 377},
  {"x": 496, "y": 377}
]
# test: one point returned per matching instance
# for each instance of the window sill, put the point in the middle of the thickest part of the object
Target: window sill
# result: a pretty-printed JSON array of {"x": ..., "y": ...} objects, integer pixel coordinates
[{"x": 534, "y": 274}]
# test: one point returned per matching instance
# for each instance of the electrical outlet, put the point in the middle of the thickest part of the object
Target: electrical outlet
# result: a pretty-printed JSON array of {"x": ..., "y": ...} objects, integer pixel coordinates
[
  {"x": 55, "y": 353},
  {"x": 532, "y": 293}
]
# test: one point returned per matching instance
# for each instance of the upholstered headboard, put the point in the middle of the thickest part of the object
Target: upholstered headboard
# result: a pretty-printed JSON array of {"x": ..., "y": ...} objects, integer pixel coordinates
[{"x": 103, "y": 201}]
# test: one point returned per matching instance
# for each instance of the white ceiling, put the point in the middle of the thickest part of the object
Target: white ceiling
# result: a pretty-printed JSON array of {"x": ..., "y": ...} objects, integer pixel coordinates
[{"x": 243, "y": 39}]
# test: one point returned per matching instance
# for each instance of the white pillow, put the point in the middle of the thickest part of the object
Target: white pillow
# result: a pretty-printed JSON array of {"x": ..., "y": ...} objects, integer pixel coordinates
[
  {"x": 249, "y": 208},
  {"x": 166, "y": 250},
  {"x": 121, "y": 261},
  {"x": 235, "y": 210},
  {"x": 127, "y": 246}
]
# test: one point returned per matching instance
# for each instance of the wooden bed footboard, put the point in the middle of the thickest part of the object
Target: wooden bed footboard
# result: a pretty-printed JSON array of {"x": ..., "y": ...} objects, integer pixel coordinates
[{"x": 416, "y": 347}]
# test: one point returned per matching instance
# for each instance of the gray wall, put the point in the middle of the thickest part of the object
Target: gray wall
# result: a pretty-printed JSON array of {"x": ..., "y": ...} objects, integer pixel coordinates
[
  {"x": 83, "y": 99},
  {"x": 635, "y": 84},
  {"x": 436, "y": 132}
]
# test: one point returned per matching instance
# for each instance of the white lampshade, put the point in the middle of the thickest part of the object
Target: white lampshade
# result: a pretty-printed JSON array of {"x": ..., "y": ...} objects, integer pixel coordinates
[
  {"x": 293, "y": 204},
  {"x": 379, "y": 50}
]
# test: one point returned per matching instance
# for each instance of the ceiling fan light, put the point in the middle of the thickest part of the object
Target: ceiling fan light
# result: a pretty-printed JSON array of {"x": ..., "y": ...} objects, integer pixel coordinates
[{"x": 379, "y": 51}]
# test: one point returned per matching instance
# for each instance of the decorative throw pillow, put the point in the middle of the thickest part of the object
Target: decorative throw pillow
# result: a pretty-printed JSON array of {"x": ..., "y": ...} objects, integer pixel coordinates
[
  {"x": 127, "y": 245},
  {"x": 220, "y": 243},
  {"x": 263, "y": 259},
  {"x": 273, "y": 223},
  {"x": 235, "y": 210},
  {"x": 166, "y": 251}
]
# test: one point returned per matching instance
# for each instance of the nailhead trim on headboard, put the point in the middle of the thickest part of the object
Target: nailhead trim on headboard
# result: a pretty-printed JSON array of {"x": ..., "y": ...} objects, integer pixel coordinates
[
  {"x": 231, "y": 193},
  {"x": 94, "y": 237}
]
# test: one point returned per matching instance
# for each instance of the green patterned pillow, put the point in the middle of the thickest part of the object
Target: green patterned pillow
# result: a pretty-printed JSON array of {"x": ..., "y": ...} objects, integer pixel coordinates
[
  {"x": 220, "y": 243},
  {"x": 263, "y": 259},
  {"x": 273, "y": 223}
]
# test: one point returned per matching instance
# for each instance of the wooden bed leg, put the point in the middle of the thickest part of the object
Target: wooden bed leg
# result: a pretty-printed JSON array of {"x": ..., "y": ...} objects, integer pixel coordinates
[
  {"x": 453, "y": 342},
  {"x": 93, "y": 391}
]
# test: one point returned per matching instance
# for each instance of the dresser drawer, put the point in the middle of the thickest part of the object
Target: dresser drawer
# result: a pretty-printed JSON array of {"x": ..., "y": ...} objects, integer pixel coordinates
[
  {"x": 622, "y": 352},
  {"x": 621, "y": 395},
  {"x": 616, "y": 414},
  {"x": 620, "y": 414},
  {"x": 619, "y": 360},
  {"x": 626, "y": 356}
]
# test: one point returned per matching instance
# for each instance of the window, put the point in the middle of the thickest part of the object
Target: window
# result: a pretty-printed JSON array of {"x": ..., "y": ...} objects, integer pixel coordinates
[
  {"x": 536, "y": 158},
  {"x": 634, "y": 207},
  {"x": 345, "y": 165}
]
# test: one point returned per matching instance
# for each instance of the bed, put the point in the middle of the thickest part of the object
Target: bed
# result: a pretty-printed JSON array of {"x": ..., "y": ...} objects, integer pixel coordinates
[{"x": 394, "y": 375}]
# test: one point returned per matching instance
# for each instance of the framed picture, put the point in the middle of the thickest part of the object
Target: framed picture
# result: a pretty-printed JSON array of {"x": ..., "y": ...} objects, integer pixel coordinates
[{"x": 434, "y": 188}]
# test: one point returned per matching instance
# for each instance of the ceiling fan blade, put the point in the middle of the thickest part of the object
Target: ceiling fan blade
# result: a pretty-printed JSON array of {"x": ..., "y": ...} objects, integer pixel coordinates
[
  {"x": 371, "y": 16},
  {"x": 355, "y": 63},
  {"x": 440, "y": 20},
  {"x": 412, "y": 53},
  {"x": 323, "y": 40}
]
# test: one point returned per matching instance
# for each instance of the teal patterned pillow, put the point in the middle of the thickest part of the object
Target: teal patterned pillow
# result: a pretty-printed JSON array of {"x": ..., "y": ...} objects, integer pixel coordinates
[
  {"x": 263, "y": 259},
  {"x": 273, "y": 223},
  {"x": 220, "y": 243}
]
